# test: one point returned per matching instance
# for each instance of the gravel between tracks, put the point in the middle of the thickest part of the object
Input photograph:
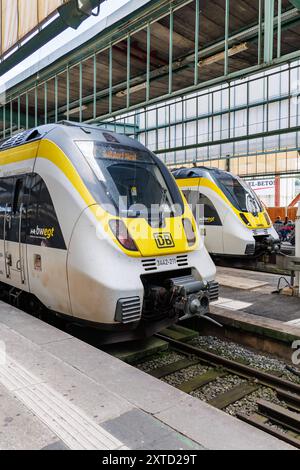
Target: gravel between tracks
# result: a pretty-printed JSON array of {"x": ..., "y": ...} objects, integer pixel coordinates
[
  {"x": 160, "y": 360},
  {"x": 186, "y": 374},
  {"x": 245, "y": 355},
  {"x": 221, "y": 385}
]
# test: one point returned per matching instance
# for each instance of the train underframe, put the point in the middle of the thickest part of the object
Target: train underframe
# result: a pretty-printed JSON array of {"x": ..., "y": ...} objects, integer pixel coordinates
[{"x": 169, "y": 297}]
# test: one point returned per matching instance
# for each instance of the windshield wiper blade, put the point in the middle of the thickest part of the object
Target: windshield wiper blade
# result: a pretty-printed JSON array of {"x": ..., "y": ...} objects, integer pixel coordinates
[{"x": 161, "y": 211}]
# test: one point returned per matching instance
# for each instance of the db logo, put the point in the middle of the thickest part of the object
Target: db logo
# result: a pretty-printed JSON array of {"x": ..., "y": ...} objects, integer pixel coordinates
[{"x": 164, "y": 240}]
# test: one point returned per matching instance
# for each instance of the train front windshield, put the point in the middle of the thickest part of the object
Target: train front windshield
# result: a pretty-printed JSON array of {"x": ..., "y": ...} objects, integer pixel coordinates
[
  {"x": 131, "y": 179},
  {"x": 239, "y": 193}
]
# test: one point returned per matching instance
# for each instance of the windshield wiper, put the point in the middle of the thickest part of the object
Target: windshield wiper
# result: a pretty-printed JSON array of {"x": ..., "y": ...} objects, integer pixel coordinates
[{"x": 161, "y": 211}]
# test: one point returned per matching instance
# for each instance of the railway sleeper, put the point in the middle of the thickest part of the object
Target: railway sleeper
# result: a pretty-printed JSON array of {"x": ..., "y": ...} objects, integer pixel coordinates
[
  {"x": 279, "y": 415},
  {"x": 260, "y": 422},
  {"x": 201, "y": 380},
  {"x": 232, "y": 396},
  {"x": 292, "y": 401}
]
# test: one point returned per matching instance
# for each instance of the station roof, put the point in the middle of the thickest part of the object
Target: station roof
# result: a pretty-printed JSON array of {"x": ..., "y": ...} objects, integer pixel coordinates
[
  {"x": 25, "y": 26},
  {"x": 133, "y": 18}
]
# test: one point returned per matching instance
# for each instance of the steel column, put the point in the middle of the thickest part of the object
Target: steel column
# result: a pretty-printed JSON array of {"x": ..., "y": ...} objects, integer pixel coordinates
[
  {"x": 56, "y": 97},
  {"x": 68, "y": 94},
  {"x": 197, "y": 31},
  {"x": 80, "y": 92},
  {"x": 4, "y": 121},
  {"x": 269, "y": 30},
  {"x": 227, "y": 19},
  {"x": 279, "y": 28},
  {"x": 46, "y": 102},
  {"x": 260, "y": 30},
  {"x": 128, "y": 70},
  {"x": 35, "y": 107},
  {"x": 110, "y": 78},
  {"x": 171, "y": 51},
  {"x": 95, "y": 87},
  {"x": 148, "y": 61},
  {"x": 27, "y": 111},
  {"x": 11, "y": 117}
]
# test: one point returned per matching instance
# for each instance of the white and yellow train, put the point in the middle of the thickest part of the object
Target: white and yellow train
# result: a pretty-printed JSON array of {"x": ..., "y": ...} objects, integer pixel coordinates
[
  {"x": 232, "y": 219},
  {"x": 75, "y": 232}
]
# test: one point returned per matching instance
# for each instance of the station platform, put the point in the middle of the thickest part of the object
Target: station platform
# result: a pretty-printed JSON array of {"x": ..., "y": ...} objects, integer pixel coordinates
[
  {"x": 253, "y": 293},
  {"x": 58, "y": 393}
]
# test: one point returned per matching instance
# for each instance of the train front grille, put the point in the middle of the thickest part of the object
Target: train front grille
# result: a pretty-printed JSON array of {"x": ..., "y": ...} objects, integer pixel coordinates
[
  {"x": 129, "y": 310},
  {"x": 213, "y": 290}
]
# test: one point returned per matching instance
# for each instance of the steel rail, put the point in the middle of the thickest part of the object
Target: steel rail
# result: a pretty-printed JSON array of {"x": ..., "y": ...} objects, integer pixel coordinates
[{"x": 264, "y": 378}]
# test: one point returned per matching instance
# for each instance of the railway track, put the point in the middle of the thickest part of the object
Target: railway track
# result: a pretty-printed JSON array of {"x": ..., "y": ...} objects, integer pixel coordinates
[{"x": 280, "y": 420}]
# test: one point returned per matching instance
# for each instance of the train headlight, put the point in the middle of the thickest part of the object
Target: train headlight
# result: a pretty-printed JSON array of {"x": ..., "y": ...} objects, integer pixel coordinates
[
  {"x": 189, "y": 231},
  {"x": 268, "y": 220},
  {"x": 121, "y": 233},
  {"x": 244, "y": 219}
]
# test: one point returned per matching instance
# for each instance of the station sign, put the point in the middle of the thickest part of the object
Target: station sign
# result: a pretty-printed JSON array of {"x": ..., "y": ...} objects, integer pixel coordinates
[{"x": 263, "y": 187}]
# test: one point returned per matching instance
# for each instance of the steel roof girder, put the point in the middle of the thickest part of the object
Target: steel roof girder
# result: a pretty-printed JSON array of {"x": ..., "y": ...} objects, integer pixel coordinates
[{"x": 296, "y": 3}]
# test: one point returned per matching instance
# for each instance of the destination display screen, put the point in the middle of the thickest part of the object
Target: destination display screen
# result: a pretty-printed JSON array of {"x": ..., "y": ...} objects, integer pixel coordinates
[{"x": 115, "y": 154}]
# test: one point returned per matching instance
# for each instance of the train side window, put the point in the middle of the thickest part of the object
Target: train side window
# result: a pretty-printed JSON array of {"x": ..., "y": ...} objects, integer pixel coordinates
[
  {"x": 18, "y": 220},
  {"x": 191, "y": 196},
  {"x": 18, "y": 194},
  {"x": 6, "y": 195},
  {"x": 211, "y": 216},
  {"x": 43, "y": 224}
]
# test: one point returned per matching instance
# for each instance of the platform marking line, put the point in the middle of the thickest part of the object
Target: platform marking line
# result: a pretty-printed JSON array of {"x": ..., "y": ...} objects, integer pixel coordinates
[
  {"x": 67, "y": 421},
  {"x": 230, "y": 304},
  {"x": 293, "y": 322}
]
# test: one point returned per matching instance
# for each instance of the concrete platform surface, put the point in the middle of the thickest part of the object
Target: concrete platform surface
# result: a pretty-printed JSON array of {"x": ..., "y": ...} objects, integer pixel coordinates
[
  {"x": 259, "y": 300},
  {"x": 57, "y": 392}
]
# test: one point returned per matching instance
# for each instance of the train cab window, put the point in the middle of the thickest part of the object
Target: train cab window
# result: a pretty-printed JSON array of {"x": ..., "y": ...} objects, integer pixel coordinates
[
  {"x": 210, "y": 218},
  {"x": 132, "y": 180},
  {"x": 241, "y": 196}
]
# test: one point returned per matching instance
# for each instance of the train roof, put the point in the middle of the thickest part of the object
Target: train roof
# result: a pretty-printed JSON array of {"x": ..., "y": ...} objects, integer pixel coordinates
[
  {"x": 196, "y": 172},
  {"x": 76, "y": 131}
]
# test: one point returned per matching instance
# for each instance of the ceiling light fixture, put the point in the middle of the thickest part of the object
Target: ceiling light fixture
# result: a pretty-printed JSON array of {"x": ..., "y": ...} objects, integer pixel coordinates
[
  {"x": 75, "y": 110},
  {"x": 133, "y": 89},
  {"x": 221, "y": 56}
]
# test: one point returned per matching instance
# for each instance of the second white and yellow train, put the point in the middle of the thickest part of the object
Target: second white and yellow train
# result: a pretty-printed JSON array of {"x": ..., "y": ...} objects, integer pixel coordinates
[{"x": 232, "y": 219}]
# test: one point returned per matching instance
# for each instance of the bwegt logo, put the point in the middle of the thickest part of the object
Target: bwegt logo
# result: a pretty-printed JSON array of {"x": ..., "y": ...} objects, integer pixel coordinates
[
  {"x": 2, "y": 353},
  {"x": 296, "y": 354}
]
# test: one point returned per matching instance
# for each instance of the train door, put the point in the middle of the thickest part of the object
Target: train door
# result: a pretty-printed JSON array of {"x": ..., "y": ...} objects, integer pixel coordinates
[
  {"x": 14, "y": 233},
  {"x": 46, "y": 248},
  {"x": 212, "y": 227}
]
